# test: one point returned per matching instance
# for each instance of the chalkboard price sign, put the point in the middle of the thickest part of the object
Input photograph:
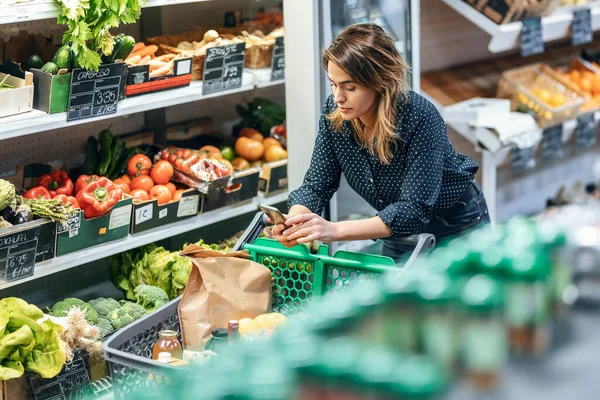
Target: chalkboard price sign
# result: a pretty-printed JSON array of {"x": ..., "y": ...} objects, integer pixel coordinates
[
  {"x": 73, "y": 381},
  {"x": 532, "y": 41},
  {"x": 223, "y": 68},
  {"x": 581, "y": 30},
  {"x": 17, "y": 254},
  {"x": 522, "y": 159},
  {"x": 74, "y": 222},
  {"x": 552, "y": 143},
  {"x": 585, "y": 134},
  {"x": 94, "y": 93},
  {"x": 278, "y": 63}
]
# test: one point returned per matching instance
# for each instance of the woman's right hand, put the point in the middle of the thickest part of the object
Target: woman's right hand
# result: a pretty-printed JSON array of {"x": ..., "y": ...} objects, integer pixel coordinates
[{"x": 277, "y": 231}]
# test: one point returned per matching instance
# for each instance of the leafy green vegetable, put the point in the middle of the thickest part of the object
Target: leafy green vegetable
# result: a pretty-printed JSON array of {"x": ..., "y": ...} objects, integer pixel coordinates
[
  {"x": 62, "y": 308},
  {"x": 105, "y": 326},
  {"x": 150, "y": 297},
  {"x": 126, "y": 314},
  {"x": 88, "y": 26},
  {"x": 104, "y": 306}
]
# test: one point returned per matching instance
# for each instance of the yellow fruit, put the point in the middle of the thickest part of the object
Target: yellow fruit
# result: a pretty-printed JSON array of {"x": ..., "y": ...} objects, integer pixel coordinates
[
  {"x": 557, "y": 99},
  {"x": 279, "y": 319},
  {"x": 249, "y": 327},
  {"x": 267, "y": 322}
]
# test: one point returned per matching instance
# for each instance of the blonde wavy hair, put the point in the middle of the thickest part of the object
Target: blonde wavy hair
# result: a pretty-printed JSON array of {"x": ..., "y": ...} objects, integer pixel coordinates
[{"x": 369, "y": 56}]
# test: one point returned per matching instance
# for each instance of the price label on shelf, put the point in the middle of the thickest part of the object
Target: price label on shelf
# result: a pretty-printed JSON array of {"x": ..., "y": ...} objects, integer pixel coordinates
[
  {"x": 94, "y": 93},
  {"x": 143, "y": 214},
  {"x": 278, "y": 63},
  {"x": 17, "y": 254},
  {"x": 552, "y": 143},
  {"x": 532, "y": 40},
  {"x": 585, "y": 133},
  {"x": 581, "y": 30},
  {"x": 522, "y": 160},
  {"x": 223, "y": 68},
  {"x": 23, "y": 14}
]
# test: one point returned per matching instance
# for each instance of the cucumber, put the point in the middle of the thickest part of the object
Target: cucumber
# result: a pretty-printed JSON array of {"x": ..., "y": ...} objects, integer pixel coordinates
[
  {"x": 50, "y": 67},
  {"x": 125, "y": 49},
  {"x": 117, "y": 150},
  {"x": 91, "y": 156},
  {"x": 34, "y": 61},
  {"x": 105, "y": 154},
  {"x": 62, "y": 58}
]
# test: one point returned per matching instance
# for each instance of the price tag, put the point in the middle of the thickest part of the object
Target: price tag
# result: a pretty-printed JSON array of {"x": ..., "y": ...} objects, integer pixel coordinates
[
  {"x": 73, "y": 223},
  {"x": 188, "y": 205},
  {"x": 23, "y": 14},
  {"x": 17, "y": 254},
  {"x": 73, "y": 382},
  {"x": 532, "y": 41},
  {"x": 223, "y": 68},
  {"x": 163, "y": 213},
  {"x": 522, "y": 160},
  {"x": 552, "y": 143},
  {"x": 143, "y": 214},
  {"x": 585, "y": 133},
  {"x": 94, "y": 93},
  {"x": 120, "y": 217},
  {"x": 581, "y": 30},
  {"x": 278, "y": 63}
]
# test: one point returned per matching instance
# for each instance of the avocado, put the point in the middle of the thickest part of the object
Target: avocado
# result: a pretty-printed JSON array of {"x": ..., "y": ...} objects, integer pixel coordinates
[
  {"x": 50, "y": 67},
  {"x": 34, "y": 61}
]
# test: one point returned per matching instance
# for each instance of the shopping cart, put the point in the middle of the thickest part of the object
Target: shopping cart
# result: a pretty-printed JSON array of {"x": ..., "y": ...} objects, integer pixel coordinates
[{"x": 298, "y": 276}]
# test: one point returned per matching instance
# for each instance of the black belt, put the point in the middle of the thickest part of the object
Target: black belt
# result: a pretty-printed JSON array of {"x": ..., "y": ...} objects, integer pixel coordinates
[{"x": 470, "y": 192}]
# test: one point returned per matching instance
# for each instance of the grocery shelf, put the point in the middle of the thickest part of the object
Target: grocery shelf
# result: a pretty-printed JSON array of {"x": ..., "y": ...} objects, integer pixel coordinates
[
  {"x": 75, "y": 259},
  {"x": 39, "y": 10},
  {"x": 38, "y": 121},
  {"x": 506, "y": 37}
]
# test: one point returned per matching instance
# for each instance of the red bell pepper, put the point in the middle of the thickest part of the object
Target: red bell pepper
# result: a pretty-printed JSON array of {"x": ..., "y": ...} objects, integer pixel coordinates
[
  {"x": 84, "y": 180},
  {"x": 57, "y": 182},
  {"x": 67, "y": 200},
  {"x": 99, "y": 197},
  {"x": 38, "y": 192}
]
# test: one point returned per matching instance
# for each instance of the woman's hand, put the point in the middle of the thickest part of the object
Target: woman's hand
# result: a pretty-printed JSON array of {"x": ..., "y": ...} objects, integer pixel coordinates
[
  {"x": 305, "y": 228},
  {"x": 276, "y": 232}
]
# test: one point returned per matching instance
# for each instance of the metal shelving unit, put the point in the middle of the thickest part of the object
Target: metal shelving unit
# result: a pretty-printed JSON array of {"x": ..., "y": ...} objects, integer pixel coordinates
[{"x": 507, "y": 37}]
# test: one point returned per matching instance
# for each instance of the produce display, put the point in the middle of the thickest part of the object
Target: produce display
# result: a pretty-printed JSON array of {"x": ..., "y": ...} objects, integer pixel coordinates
[
  {"x": 204, "y": 165},
  {"x": 585, "y": 79},
  {"x": 146, "y": 55}
]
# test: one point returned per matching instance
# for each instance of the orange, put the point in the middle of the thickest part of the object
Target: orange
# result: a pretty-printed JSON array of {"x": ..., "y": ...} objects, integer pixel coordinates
[{"x": 585, "y": 84}]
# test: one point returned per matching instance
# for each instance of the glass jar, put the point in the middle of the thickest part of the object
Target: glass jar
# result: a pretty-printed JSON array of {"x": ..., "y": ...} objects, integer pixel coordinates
[
  {"x": 167, "y": 342},
  {"x": 484, "y": 342},
  {"x": 439, "y": 324},
  {"x": 527, "y": 312}
]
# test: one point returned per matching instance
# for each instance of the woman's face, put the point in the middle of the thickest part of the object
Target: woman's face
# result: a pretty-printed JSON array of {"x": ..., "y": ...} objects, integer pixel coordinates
[{"x": 353, "y": 100}]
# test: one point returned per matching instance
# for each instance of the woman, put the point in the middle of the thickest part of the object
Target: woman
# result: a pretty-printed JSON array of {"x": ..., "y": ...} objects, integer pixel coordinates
[{"x": 392, "y": 146}]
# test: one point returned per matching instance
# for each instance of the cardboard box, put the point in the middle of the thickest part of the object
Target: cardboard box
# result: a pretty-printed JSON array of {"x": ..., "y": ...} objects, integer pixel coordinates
[
  {"x": 148, "y": 214},
  {"x": 20, "y": 99},
  {"x": 139, "y": 80},
  {"x": 24, "y": 245},
  {"x": 82, "y": 233},
  {"x": 51, "y": 92},
  {"x": 274, "y": 177},
  {"x": 243, "y": 186}
]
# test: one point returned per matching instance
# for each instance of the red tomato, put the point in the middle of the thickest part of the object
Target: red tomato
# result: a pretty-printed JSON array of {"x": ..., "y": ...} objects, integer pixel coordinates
[
  {"x": 171, "y": 187},
  {"x": 177, "y": 195},
  {"x": 160, "y": 193},
  {"x": 139, "y": 194},
  {"x": 165, "y": 154},
  {"x": 143, "y": 182},
  {"x": 139, "y": 164},
  {"x": 185, "y": 167},
  {"x": 193, "y": 159},
  {"x": 121, "y": 183},
  {"x": 179, "y": 153},
  {"x": 186, "y": 153},
  {"x": 161, "y": 172},
  {"x": 173, "y": 158}
]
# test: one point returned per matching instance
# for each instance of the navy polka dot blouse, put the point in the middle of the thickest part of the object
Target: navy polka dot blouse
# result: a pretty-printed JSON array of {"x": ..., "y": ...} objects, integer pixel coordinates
[{"x": 425, "y": 175}]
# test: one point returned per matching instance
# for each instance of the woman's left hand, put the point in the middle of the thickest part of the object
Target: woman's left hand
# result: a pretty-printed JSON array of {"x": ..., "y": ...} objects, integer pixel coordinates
[{"x": 305, "y": 228}]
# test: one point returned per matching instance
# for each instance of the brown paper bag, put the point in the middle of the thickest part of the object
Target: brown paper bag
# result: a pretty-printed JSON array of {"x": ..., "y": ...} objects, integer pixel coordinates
[{"x": 221, "y": 287}]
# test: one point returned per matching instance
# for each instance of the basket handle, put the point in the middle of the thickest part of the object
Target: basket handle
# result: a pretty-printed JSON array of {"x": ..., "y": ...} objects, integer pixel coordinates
[{"x": 259, "y": 222}]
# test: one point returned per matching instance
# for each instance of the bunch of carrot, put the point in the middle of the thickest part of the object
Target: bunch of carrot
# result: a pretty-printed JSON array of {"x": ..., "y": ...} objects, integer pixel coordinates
[{"x": 146, "y": 55}]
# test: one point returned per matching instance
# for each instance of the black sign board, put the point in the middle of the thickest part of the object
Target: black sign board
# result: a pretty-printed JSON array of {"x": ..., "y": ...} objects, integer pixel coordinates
[
  {"x": 581, "y": 30},
  {"x": 278, "y": 63},
  {"x": 73, "y": 381},
  {"x": 94, "y": 93},
  {"x": 73, "y": 223},
  {"x": 532, "y": 41},
  {"x": 223, "y": 68},
  {"x": 552, "y": 143},
  {"x": 17, "y": 253},
  {"x": 585, "y": 133},
  {"x": 522, "y": 159}
]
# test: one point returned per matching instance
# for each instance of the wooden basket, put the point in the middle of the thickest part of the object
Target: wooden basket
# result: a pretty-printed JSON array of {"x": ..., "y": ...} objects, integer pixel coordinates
[
  {"x": 259, "y": 56},
  {"x": 518, "y": 86},
  {"x": 581, "y": 65},
  {"x": 501, "y": 11}
]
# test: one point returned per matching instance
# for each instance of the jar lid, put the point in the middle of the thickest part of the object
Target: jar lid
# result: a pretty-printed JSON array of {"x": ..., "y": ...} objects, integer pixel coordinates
[
  {"x": 167, "y": 333},
  {"x": 482, "y": 293},
  {"x": 164, "y": 357},
  {"x": 435, "y": 288}
]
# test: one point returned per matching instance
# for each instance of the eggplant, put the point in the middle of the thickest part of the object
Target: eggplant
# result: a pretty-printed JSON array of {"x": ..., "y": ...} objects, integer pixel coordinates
[
  {"x": 22, "y": 217},
  {"x": 8, "y": 214}
]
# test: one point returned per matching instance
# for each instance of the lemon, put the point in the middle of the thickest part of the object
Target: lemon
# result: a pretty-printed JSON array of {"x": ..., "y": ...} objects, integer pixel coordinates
[
  {"x": 279, "y": 319},
  {"x": 265, "y": 322},
  {"x": 249, "y": 327}
]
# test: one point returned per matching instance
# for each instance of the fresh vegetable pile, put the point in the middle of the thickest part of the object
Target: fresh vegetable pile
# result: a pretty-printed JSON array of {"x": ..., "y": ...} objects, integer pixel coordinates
[
  {"x": 157, "y": 65},
  {"x": 28, "y": 343},
  {"x": 196, "y": 167}
]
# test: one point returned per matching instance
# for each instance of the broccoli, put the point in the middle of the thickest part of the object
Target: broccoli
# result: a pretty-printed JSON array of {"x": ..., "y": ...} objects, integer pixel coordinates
[
  {"x": 61, "y": 309},
  {"x": 105, "y": 326},
  {"x": 126, "y": 314},
  {"x": 104, "y": 306},
  {"x": 150, "y": 297}
]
